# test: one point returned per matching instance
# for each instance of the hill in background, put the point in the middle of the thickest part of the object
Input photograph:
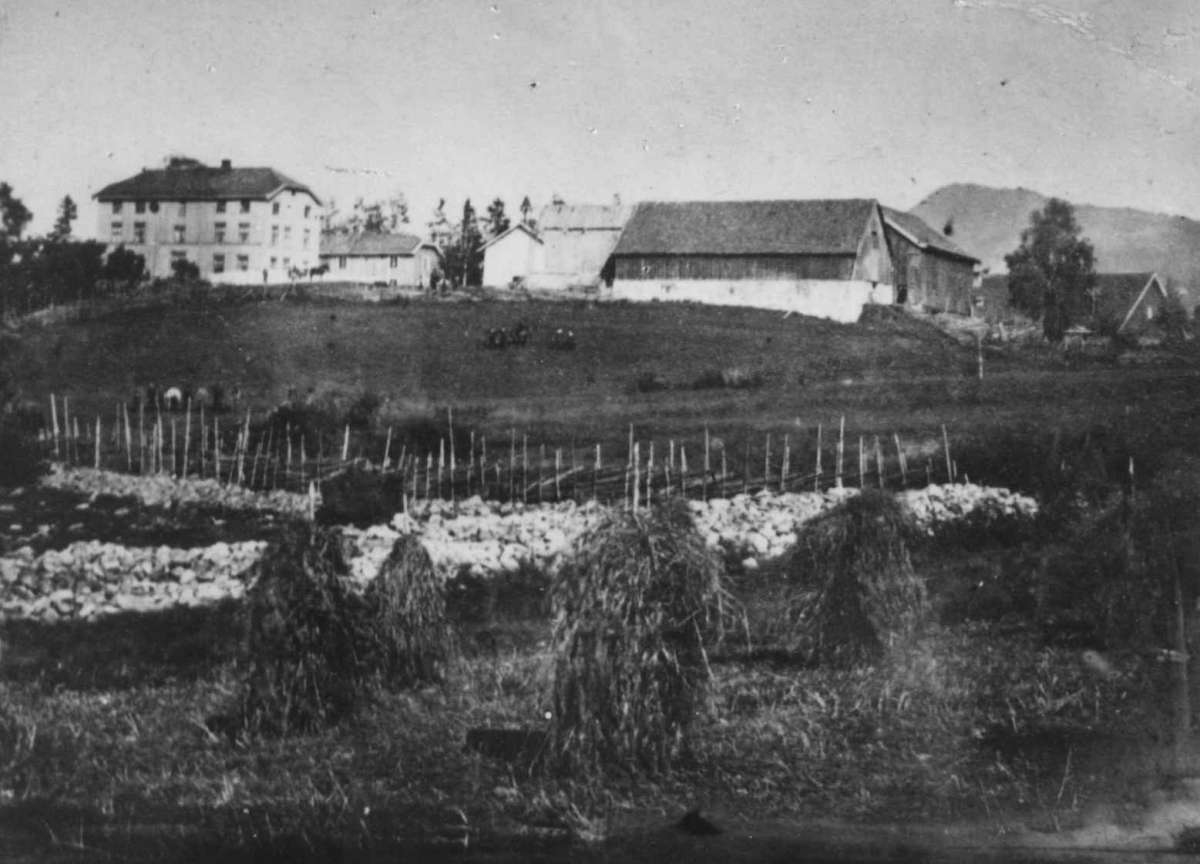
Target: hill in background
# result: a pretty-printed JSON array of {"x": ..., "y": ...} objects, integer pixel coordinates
[{"x": 988, "y": 223}]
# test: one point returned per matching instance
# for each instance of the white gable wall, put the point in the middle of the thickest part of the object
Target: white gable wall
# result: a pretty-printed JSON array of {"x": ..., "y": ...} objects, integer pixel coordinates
[{"x": 836, "y": 299}]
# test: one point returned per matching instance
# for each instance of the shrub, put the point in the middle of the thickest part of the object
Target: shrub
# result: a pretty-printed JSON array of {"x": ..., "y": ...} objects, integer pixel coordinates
[
  {"x": 406, "y": 633},
  {"x": 362, "y": 496},
  {"x": 854, "y": 591},
  {"x": 21, "y": 460},
  {"x": 649, "y": 382},
  {"x": 732, "y": 377},
  {"x": 633, "y": 614},
  {"x": 303, "y": 668}
]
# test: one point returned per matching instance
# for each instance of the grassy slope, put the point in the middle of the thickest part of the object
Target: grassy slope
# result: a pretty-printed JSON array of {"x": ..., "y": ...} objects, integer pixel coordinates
[{"x": 892, "y": 376}]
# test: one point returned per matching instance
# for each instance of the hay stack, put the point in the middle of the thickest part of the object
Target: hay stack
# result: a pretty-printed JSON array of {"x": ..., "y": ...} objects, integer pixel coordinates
[
  {"x": 853, "y": 591},
  {"x": 407, "y": 637},
  {"x": 633, "y": 613},
  {"x": 302, "y": 667}
]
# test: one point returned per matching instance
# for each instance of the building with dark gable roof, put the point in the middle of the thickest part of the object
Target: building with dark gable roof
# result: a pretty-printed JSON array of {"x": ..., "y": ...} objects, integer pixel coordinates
[
  {"x": 826, "y": 258},
  {"x": 931, "y": 271},
  {"x": 237, "y": 225}
]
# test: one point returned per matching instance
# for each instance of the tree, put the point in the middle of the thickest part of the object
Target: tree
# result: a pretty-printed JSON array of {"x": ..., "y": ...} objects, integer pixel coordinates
[
  {"x": 497, "y": 219},
  {"x": 124, "y": 267},
  {"x": 62, "y": 225},
  {"x": 464, "y": 256},
  {"x": 1052, "y": 271},
  {"x": 185, "y": 270},
  {"x": 526, "y": 209},
  {"x": 1173, "y": 317},
  {"x": 14, "y": 215}
]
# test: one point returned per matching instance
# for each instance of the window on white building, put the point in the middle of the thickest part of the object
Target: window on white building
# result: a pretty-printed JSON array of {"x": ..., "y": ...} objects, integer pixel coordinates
[
  {"x": 139, "y": 207},
  {"x": 220, "y": 206},
  {"x": 117, "y": 234},
  {"x": 243, "y": 262},
  {"x": 287, "y": 234},
  {"x": 182, "y": 208},
  {"x": 218, "y": 263},
  {"x": 341, "y": 262},
  {"x": 178, "y": 234},
  {"x": 117, "y": 207},
  {"x": 139, "y": 232},
  {"x": 219, "y": 232},
  {"x": 307, "y": 210},
  {"x": 243, "y": 232},
  {"x": 393, "y": 262},
  {"x": 274, "y": 262},
  {"x": 307, "y": 237},
  {"x": 274, "y": 235},
  {"x": 245, "y": 205},
  {"x": 275, "y": 209}
]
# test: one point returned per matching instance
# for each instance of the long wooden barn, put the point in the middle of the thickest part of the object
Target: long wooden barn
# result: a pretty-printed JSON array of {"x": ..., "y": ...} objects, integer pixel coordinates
[
  {"x": 931, "y": 270},
  {"x": 826, "y": 258}
]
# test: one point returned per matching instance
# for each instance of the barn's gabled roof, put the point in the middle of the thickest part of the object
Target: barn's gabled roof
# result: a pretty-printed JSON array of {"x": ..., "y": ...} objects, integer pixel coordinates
[
  {"x": 190, "y": 180},
  {"x": 819, "y": 227},
  {"x": 1119, "y": 294},
  {"x": 582, "y": 217},
  {"x": 520, "y": 226},
  {"x": 922, "y": 235},
  {"x": 369, "y": 243}
]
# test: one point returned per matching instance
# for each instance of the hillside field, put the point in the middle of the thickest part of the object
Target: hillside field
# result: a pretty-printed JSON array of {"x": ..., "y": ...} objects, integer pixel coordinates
[{"x": 894, "y": 374}]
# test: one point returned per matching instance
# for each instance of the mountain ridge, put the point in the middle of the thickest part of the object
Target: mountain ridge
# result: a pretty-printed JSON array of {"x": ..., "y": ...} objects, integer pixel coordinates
[{"x": 987, "y": 222}]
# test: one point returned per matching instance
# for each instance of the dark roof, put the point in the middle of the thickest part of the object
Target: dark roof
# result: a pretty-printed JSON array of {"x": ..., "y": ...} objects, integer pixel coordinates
[
  {"x": 1117, "y": 293},
  {"x": 923, "y": 235},
  {"x": 369, "y": 243},
  {"x": 588, "y": 217},
  {"x": 189, "y": 180},
  {"x": 830, "y": 227}
]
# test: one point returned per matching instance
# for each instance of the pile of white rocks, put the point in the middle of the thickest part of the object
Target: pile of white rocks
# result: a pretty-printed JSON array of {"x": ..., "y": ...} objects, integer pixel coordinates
[
  {"x": 91, "y": 578},
  {"x": 484, "y": 538},
  {"x": 162, "y": 490}
]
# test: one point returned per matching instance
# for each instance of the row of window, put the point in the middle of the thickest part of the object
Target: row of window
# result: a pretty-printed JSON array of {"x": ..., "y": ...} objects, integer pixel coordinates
[
  {"x": 179, "y": 233},
  {"x": 243, "y": 207},
  {"x": 242, "y": 262}
]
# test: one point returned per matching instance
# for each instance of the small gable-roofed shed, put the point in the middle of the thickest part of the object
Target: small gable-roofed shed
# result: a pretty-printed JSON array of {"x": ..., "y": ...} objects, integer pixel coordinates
[
  {"x": 372, "y": 257},
  {"x": 1130, "y": 302},
  {"x": 511, "y": 255}
]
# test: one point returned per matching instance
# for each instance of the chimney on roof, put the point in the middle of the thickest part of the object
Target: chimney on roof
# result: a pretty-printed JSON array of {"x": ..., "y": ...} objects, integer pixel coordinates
[{"x": 226, "y": 164}]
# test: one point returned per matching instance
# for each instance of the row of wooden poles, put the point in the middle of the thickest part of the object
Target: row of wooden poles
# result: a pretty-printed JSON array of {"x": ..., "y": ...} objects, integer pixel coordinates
[{"x": 195, "y": 445}]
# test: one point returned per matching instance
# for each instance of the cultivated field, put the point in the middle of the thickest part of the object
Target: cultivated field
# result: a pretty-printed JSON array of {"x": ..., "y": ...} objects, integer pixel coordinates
[{"x": 1032, "y": 697}]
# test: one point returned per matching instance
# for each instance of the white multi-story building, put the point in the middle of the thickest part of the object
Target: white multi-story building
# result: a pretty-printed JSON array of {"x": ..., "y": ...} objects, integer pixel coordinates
[{"x": 238, "y": 225}]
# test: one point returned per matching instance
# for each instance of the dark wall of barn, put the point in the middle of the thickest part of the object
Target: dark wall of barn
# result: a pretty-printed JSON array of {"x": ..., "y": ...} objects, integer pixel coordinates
[
  {"x": 931, "y": 280},
  {"x": 750, "y": 267}
]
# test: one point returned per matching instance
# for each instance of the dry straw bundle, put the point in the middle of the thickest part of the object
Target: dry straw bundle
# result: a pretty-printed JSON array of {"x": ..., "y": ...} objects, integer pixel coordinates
[
  {"x": 854, "y": 589},
  {"x": 408, "y": 640},
  {"x": 315, "y": 648},
  {"x": 634, "y": 611}
]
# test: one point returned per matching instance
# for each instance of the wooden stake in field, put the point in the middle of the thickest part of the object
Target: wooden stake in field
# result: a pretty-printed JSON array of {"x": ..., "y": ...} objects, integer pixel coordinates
[
  {"x": 203, "y": 442},
  {"x": 650, "y": 476},
  {"x": 746, "y": 469},
  {"x": 557, "y": 473},
  {"x": 128, "y": 439},
  {"x": 387, "y": 449},
  {"x": 860, "y": 462},
  {"x": 817, "y": 475},
  {"x": 54, "y": 423},
  {"x": 879, "y": 461},
  {"x": 440, "y": 463},
  {"x": 96, "y": 461},
  {"x": 541, "y": 482},
  {"x": 67, "y": 429},
  {"x": 724, "y": 473},
  {"x": 707, "y": 468},
  {"x": 683, "y": 471},
  {"x": 267, "y": 452},
  {"x": 669, "y": 465},
  {"x": 524, "y": 468},
  {"x": 901, "y": 461},
  {"x": 187, "y": 436},
  {"x": 637, "y": 459},
  {"x": 767, "y": 464},
  {"x": 428, "y": 473},
  {"x": 141, "y": 436},
  {"x": 174, "y": 460},
  {"x": 596, "y": 473},
  {"x": 346, "y": 444},
  {"x": 841, "y": 452},
  {"x": 512, "y": 463},
  {"x": 787, "y": 456},
  {"x": 949, "y": 463}
]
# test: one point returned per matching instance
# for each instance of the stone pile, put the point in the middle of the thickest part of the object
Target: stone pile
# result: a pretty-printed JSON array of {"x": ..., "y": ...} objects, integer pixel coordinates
[
  {"x": 162, "y": 490},
  {"x": 481, "y": 537},
  {"x": 91, "y": 578}
]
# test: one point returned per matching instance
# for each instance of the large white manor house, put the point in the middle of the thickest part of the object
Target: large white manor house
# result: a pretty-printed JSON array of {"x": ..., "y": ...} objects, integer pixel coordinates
[{"x": 239, "y": 225}]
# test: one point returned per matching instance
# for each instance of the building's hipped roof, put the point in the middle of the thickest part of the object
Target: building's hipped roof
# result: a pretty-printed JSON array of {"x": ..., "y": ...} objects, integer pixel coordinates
[
  {"x": 369, "y": 243},
  {"x": 562, "y": 217},
  {"x": 189, "y": 180},
  {"x": 822, "y": 227},
  {"x": 920, "y": 233}
]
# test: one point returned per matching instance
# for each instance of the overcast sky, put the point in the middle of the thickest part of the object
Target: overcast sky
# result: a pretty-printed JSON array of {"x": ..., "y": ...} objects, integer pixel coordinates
[{"x": 1094, "y": 100}]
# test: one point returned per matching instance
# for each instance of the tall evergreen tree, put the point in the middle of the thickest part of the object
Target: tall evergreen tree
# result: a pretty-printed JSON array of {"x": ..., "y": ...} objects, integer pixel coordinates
[{"x": 67, "y": 212}]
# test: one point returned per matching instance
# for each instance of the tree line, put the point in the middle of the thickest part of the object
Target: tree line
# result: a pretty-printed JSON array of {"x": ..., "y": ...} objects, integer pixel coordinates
[{"x": 36, "y": 272}]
